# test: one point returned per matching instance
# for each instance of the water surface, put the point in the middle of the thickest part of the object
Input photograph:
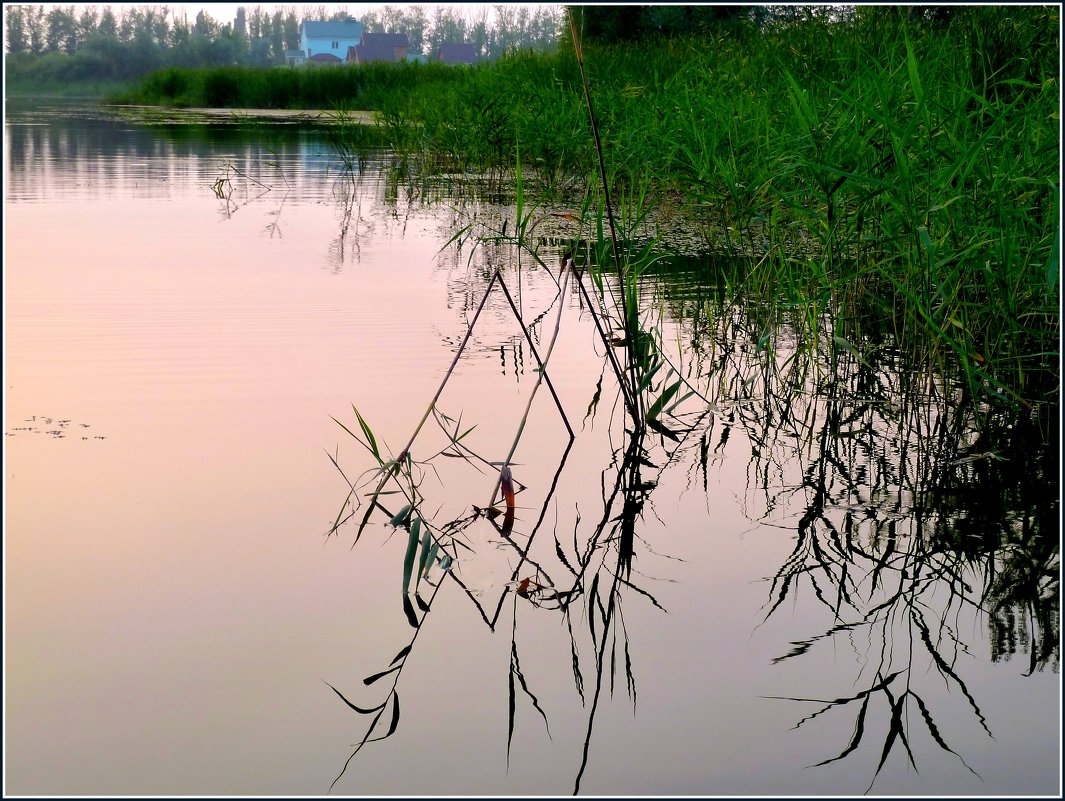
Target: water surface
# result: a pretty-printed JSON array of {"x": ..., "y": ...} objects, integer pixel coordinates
[{"x": 186, "y": 310}]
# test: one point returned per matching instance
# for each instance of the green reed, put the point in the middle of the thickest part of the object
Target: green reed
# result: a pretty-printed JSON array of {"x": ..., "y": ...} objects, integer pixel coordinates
[{"x": 861, "y": 198}]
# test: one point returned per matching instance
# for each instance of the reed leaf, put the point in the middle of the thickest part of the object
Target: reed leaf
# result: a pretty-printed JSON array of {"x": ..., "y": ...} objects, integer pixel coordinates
[
  {"x": 359, "y": 709},
  {"x": 377, "y": 676},
  {"x": 412, "y": 550}
]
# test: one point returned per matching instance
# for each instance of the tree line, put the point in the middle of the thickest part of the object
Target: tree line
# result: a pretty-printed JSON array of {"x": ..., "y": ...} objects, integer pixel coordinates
[
  {"x": 93, "y": 43},
  {"x": 100, "y": 43}
]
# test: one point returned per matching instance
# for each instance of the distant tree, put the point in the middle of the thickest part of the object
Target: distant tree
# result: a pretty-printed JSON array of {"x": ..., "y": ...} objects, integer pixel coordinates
[
  {"x": 205, "y": 26},
  {"x": 478, "y": 34},
  {"x": 371, "y": 22},
  {"x": 258, "y": 24},
  {"x": 340, "y": 15},
  {"x": 545, "y": 28},
  {"x": 391, "y": 19},
  {"x": 17, "y": 37},
  {"x": 239, "y": 35},
  {"x": 277, "y": 38},
  {"x": 158, "y": 21},
  {"x": 108, "y": 23},
  {"x": 128, "y": 22},
  {"x": 502, "y": 35},
  {"x": 416, "y": 22},
  {"x": 444, "y": 26},
  {"x": 102, "y": 57},
  {"x": 86, "y": 24},
  {"x": 629, "y": 23},
  {"x": 33, "y": 18},
  {"x": 767, "y": 15},
  {"x": 61, "y": 34},
  {"x": 291, "y": 29},
  {"x": 180, "y": 33}
]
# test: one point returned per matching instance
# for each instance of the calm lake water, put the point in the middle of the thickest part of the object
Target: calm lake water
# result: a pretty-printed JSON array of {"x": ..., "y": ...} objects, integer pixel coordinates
[{"x": 186, "y": 311}]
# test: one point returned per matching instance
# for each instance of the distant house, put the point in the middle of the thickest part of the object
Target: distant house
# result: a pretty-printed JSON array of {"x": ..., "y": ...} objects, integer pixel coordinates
[
  {"x": 457, "y": 53},
  {"x": 325, "y": 59},
  {"x": 294, "y": 58},
  {"x": 329, "y": 38},
  {"x": 379, "y": 47}
]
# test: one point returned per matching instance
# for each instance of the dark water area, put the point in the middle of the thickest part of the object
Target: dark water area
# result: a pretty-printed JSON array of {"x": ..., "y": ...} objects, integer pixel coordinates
[{"x": 821, "y": 572}]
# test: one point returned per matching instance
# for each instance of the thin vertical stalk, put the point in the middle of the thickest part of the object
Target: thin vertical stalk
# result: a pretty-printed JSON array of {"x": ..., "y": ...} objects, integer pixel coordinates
[{"x": 630, "y": 318}]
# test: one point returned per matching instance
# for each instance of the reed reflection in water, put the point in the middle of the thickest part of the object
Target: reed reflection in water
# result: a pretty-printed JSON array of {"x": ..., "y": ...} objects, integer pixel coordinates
[
  {"x": 171, "y": 613},
  {"x": 885, "y": 499}
]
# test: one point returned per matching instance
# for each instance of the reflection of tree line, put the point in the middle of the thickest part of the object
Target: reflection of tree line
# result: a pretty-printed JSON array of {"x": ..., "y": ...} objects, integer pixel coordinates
[
  {"x": 107, "y": 151},
  {"x": 916, "y": 508},
  {"x": 896, "y": 470},
  {"x": 906, "y": 501}
]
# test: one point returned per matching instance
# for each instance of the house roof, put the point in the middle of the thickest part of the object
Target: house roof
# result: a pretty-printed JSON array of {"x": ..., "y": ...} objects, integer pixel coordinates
[
  {"x": 332, "y": 30},
  {"x": 373, "y": 52},
  {"x": 295, "y": 54},
  {"x": 457, "y": 53},
  {"x": 329, "y": 57},
  {"x": 386, "y": 39},
  {"x": 379, "y": 47}
]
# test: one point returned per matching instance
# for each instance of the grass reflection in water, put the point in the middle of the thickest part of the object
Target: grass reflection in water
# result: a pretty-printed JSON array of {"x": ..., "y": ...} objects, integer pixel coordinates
[{"x": 916, "y": 507}]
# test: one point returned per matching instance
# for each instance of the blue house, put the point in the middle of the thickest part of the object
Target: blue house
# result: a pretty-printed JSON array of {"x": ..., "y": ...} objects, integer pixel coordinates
[{"x": 329, "y": 39}]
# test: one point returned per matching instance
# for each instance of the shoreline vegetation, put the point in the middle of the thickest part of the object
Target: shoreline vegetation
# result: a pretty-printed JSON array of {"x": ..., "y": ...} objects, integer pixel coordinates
[{"x": 900, "y": 172}]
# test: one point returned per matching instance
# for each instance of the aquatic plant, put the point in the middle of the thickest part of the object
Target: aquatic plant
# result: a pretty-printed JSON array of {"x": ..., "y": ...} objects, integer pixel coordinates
[{"x": 800, "y": 370}]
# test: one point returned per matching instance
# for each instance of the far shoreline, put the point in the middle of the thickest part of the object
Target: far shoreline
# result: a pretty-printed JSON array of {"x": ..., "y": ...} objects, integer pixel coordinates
[{"x": 237, "y": 114}]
